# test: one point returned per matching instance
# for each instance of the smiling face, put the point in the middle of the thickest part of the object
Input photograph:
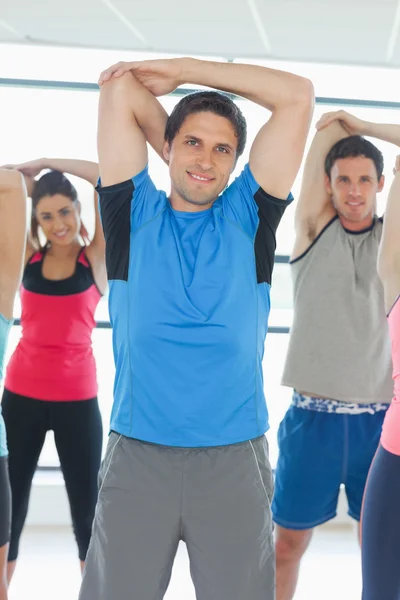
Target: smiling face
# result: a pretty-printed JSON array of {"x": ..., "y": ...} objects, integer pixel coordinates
[
  {"x": 353, "y": 186},
  {"x": 201, "y": 159},
  {"x": 59, "y": 218}
]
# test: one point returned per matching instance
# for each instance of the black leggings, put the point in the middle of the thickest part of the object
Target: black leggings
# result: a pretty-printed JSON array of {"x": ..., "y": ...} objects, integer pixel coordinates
[
  {"x": 5, "y": 503},
  {"x": 78, "y": 435},
  {"x": 381, "y": 529}
]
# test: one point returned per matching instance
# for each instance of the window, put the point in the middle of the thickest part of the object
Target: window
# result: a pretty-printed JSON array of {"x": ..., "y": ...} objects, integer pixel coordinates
[{"x": 37, "y": 121}]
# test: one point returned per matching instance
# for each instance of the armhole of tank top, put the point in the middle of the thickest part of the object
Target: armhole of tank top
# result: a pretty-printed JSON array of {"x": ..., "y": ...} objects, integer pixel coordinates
[
  {"x": 89, "y": 266},
  {"x": 81, "y": 253},
  {"x": 295, "y": 260},
  {"x": 37, "y": 256}
]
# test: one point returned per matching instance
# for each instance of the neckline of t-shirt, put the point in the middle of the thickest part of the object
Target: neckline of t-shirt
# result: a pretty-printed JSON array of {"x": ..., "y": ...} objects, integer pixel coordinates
[
  {"x": 183, "y": 214},
  {"x": 361, "y": 231}
]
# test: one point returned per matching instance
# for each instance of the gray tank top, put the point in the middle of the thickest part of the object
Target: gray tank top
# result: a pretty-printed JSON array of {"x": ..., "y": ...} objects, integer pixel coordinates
[{"x": 339, "y": 345}]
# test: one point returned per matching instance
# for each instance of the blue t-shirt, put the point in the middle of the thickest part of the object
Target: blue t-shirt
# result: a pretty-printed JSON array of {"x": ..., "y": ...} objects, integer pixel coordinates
[
  {"x": 189, "y": 302},
  {"x": 5, "y": 326}
]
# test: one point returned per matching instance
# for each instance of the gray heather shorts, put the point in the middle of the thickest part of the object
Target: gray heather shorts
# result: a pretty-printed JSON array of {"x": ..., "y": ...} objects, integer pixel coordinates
[{"x": 217, "y": 500}]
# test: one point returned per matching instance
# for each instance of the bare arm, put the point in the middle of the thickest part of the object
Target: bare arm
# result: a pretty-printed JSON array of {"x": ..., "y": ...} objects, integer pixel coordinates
[
  {"x": 355, "y": 126},
  {"x": 382, "y": 131},
  {"x": 314, "y": 208},
  {"x": 128, "y": 115},
  {"x": 13, "y": 225},
  {"x": 90, "y": 172},
  {"x": 96, "y": 252},
  {"x": 85, "y": 169},
  {"x": 277, "y": 150},
  {"x": 389, "y": 250}
]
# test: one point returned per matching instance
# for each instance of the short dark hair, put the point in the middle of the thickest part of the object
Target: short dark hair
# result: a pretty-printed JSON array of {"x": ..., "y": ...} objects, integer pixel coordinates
[
  {"x": 350, "y": 147},
  {"x": 208, "y": 101}
]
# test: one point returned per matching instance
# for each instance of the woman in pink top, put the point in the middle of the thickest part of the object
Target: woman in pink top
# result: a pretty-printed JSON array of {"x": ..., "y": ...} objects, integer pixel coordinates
[
  {"x": 51, "y": 382},
  {"x": 381, "y": 510}
]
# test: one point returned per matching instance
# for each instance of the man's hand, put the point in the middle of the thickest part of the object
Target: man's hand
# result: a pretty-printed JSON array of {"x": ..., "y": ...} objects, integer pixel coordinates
[
  {"x": 160, "y": 77},
  {"x": 350, "y": 123}
]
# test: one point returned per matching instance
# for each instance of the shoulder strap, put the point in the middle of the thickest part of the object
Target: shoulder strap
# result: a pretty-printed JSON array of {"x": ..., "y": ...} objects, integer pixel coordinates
[
  {"x": 82, "y": 258},
  {"x": 36, "y": 257}
]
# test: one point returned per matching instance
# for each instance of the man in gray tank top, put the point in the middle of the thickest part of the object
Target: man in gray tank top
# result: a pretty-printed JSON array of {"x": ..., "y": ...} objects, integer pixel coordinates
[{"x": 339, "y": 356}]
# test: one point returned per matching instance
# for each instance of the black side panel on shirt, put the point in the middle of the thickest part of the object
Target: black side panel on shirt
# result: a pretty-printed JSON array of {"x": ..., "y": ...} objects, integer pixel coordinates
[
  {"x": 115, "y": 210},
  {"x": 270, "y": 211}
]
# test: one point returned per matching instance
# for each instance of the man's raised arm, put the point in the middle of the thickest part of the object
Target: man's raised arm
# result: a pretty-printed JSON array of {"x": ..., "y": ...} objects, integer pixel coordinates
[
  {"x": 314, "y": 207},
  {"x": 128, "y": 115},
  {"x": 277, "y": 151}
]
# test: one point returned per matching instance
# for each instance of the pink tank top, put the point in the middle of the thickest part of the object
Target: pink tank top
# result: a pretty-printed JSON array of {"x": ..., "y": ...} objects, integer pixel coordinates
[
  {"x": 54, "y": 359},
  {"x": 390, "y": 439}
]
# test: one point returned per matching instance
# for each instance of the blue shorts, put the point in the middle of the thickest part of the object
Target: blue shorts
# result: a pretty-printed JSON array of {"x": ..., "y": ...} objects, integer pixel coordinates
[{"x": 319, "y": 451}]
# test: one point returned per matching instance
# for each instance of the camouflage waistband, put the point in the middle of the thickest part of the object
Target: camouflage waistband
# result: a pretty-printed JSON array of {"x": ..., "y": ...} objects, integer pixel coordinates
[{"x": 336, "y": 406}]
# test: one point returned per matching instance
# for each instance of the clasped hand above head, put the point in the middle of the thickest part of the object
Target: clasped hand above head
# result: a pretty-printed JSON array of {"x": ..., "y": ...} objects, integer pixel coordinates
[
  {"x": 160, "y": 77},
  {"x": 352, "y": 125}
]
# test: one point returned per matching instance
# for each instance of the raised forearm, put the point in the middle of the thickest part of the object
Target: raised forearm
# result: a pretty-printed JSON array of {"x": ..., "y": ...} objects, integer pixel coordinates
[
  {"x": 84, "y": 169},
  {"x": 149, "y": 113},
  {"x": 323, "y": 141},
  {"x": 314, "y": 197},
  {"x": 267, "y": 87},
  {"x": 382, "y": 131},
  {"x": 152, "y": 122}
]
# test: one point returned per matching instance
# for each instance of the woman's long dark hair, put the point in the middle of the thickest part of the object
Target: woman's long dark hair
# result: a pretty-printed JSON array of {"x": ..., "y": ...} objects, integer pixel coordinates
[{"x": 50, "y": 184}]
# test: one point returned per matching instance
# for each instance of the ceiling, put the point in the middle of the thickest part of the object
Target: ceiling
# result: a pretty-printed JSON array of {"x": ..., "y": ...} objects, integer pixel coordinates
[{"x": 358, "y": 32}]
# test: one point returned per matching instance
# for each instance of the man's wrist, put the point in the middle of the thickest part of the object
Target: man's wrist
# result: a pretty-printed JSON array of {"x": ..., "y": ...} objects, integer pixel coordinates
[
  {"x": 367, "y": 128},
  {"x": 188, "y": 68}
]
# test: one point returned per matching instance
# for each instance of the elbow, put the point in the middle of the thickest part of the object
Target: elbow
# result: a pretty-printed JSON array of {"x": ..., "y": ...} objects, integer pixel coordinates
[
  {"x": 303, "y": 93},
  {"x": 116, "y": 91},
  {"x": 11, "y": 180},
  {"x": 298, "y": 94}
]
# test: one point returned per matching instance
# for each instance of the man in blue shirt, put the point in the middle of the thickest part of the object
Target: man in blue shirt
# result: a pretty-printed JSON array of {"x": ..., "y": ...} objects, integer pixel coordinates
[{"x": 189, "y": 276}]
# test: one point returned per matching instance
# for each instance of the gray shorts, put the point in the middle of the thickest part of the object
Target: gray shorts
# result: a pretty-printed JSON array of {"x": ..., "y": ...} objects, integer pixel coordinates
[{"x": 217, "y": 500}]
